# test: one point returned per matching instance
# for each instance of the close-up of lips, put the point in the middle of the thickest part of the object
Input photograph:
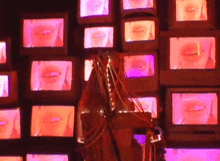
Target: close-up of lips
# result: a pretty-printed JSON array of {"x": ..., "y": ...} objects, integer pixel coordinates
[
  {"x": 98, "y": 37},
  {"x": 51, "y": 74},
  {"x": 139, "y": 32},
  {"x": 94, "y": 5}
]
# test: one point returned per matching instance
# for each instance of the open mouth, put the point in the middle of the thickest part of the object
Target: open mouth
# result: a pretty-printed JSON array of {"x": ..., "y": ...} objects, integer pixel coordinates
[
  {"x": 191, "y": 52},
  {"x": 52, "y": 118},
  {"x": 138, "y": 64},
  {"x": 2, "y": 123},
  {"x": 139, "y": 31},
  {"x": 191, "y": 8},
  {"x": 98, "y": 37},
  {"x": 51, "y": 74}
]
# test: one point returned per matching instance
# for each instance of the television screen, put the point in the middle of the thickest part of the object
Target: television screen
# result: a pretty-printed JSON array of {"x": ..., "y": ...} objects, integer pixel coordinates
[
  {"x": 46, "y": 157},
  {"x": 194, "y": 108},
  {"x": 137, "y": 4},
  {"x": 191, "y": 10},
  {"x": 52, "y": 121},
  {"x": 141, "y": 30},
  {"x": 98, "y": 37},
  {"x": 192, "y": 154},
  {"x": 10, "y": 158},
  {"x": 149, "y": 104},
  {"x": 4, "y": 86},
  {"x": 140, "y": 143},
  {"x": 10, "y": 124},
  {"x": 51, "y": 75},
  {"x": 2, "y": 52},
  {"x": 139, "y": 66},
  {"x": 192, "y": 53},
  {"x": 43, "y": 32},
  {"x": 94, "y": 8},
  {"x": 88, "y": 69}
]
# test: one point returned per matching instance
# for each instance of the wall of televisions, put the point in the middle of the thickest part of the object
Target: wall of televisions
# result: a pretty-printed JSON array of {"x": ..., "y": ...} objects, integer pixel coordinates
[{"x": 171, "y": 59}]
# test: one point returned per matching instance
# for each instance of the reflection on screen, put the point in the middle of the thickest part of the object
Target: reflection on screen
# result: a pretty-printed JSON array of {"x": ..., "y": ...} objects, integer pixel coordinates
[
  {"x": 139, "y": 30},
  {"x": 149, "y": 104},
  {"x": 52, "y": 121},
  {"x": 139, "y": 66},
  {"x": 140, "y": 142},
  {"x": 2, "y": 52},
  {"x": 4, "y": 86},
  {"x": 194, "y": 108},
  {"x": 88, "y": 69},
  {"x": 45, "y": 157},
  {"x": 10, "y": 158},
  {"x": 43, "y": 32},
  {"x": 94, "y": 8},
  {"x": 10, "y": 124},
  {"x": 51, "y": 75},
  {"x": 192, "y": 53},
  {"x": 137, "y": 4},
  {"x": 98, "y": 37},
  {"x": 192, "y": 154},
  {"x": 191, "y": 10}
]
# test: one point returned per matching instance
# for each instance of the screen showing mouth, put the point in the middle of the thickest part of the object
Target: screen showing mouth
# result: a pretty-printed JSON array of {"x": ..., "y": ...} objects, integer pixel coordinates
[
  {"x": 10, "y": 158},
  {"x": 47, "y": 157},
  {"x": 2, "y": 52},
  {"x": 88, "y": 69},
  {"x": 194, "y": 108},
  {"x": 4, "y": 86}
]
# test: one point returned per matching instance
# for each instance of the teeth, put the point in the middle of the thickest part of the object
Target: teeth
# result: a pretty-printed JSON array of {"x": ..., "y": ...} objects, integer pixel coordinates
[
  {"x": 2, "y": 123},
  {"x": 55, "y": 119},
  {"x": 47, "y": 32}
]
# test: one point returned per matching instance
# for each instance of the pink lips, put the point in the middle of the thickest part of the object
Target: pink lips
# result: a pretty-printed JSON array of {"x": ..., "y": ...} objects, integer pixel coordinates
[{"x": 2, "y": 123}]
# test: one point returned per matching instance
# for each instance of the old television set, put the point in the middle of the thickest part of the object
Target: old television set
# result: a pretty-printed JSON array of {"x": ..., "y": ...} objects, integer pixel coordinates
[
  {"x": 95, "y": 11},
  {"x": 52, "y": 121},
  {"x": 192, "y": 115},
  {"x": 10, "y": 123},
  {"x": 192, "y": 14},
  {"x": 139, "y": 33},
  {"x": 11, "y": 158},
  {"x": 99, "y": 38},
  {"x": 44, "y": 33},
  {"x": 8, "y": 87},
  {"x": 189, "y": 58},
  {"x": 204, "y": 154},
  {"x": 53, "y": 79},
  {"x": 141, "y": 71},
  {"x": 5, "y": 53},
  {"x": 130, "y": 7},
  {"x": 48, "y": 157}
]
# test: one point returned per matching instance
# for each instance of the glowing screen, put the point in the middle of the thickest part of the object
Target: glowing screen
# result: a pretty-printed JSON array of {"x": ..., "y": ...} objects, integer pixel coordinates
[
  {"x": 98, "y": 37},
  {"x": 4, "y": 86},
  {"x": 139, "y": 66},
  {"x": 10, "y": 158},
  {"x": 88, "y": 69},
  {"x": 51, "y": 75},
  {"x": 43, "y": 33},
  {"x": 139, "y": 30},
  {"x": 137, "y": 4},
  {"x": 52, "y": 121},
  {"x": 2, "y": 52},
  {"x": 192, "y": 154},
  {"x": 10, "y": 124},
  {"x": 45, "y": 157},
  {"x": 191, "y": 10},
  {"x": 192, "y": 53},
  {"x": 149, "y": 104},
  {"x": 94, "y": 8},
  {"x": 139, "y": 145},
  {"x": 194, "y": 108}
]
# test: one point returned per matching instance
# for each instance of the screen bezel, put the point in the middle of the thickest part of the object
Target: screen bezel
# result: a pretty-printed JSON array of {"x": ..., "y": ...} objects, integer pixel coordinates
[
  {"x": 139, "y": 46},
  {"x": 44, "y": 50},
  {"x": 209, "y": 24}
]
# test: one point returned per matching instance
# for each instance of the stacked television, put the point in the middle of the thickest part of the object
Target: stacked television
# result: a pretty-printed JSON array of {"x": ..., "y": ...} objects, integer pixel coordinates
[{"x": 190, "y": 76}]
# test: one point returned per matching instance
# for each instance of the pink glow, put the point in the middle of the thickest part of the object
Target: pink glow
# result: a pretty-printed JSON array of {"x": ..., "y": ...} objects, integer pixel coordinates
[
  {"x": 137, "y": 4},
  {"x": 43, "y": 33},
  {"x": 139, "y": 30},
  {"x": 88, "y": 69},
  {"x": 141, "y": 139},
  {"x": 51, "y": 75},
  {"x": 4, "y": 86},
  {"x": 192, "y": 154},
  {"x": 94, "y": 8},
  {"x": 191, "y": 10},
  {"x": 192, "y": 53},
  {"x": 98, "y": 37},
  {"x": 139, "y": 66},
  {"x": 2, "y": 52},
  {"x": 52, "y": 121},
  {"x": 149, "y": 104},
  {"x": 194, "y": 108},
  {"x": 10, "y": 124},
  {"x": 45, "y": 157},
  {"x": 10, "y": 158}
]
